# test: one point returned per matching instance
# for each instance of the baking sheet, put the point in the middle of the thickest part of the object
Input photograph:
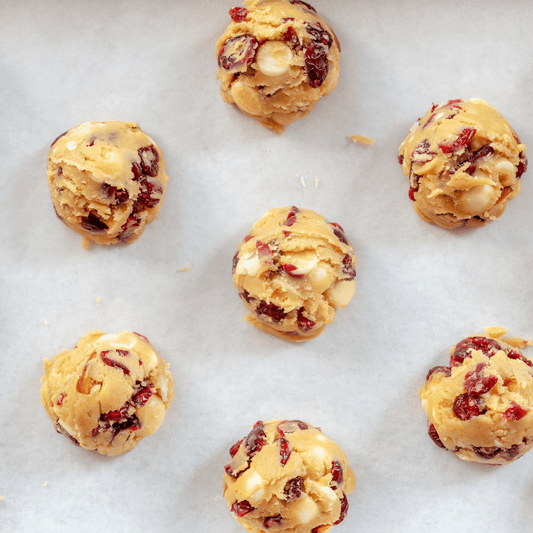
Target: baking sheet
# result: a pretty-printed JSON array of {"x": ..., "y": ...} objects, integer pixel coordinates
[{"x": 420, "y": 288}]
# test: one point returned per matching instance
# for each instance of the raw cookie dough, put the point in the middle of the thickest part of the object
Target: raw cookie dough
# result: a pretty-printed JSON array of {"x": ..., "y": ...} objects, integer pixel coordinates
[
  {"x": 292, "y": 271},
  {"x": 107, "y": 393},
  {"x": 464, "y": 163},
  {"x": 480, "y": 407},
  {"x": 286, "y": 475},
  {"x": 276, "y": 59},
  {"x": 107, "y": 180}
]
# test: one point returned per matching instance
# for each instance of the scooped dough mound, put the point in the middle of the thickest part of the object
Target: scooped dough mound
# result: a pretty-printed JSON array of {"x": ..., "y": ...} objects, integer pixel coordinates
[
  {"x": 481, "y": 406},
  {"x": 276, "y": 59},
  {"x": 293, "y": 270},
  {"x": 107, "y": 180},
  {"x": 464, "y": 163},
  {"x": 286, "y": 475},
  {"x": 107, "y": 393}
]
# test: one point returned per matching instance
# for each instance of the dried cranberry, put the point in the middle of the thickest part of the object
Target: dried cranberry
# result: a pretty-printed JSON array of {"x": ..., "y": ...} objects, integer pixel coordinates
[
  {"x": 515, "y": 412},
  {"x": 304, "y": 323},
  {"x": 264, "y": 253},
  {"x": 242, "y": 508},
  {"x": 432, "y": 432},
  {"x": 286, "y": 233},
  {"x": 464, "y": 348},
  {"x": 319, "y": 33},
  {"x": 466, "y": 406},
  {"x": 291, "y": 217},
  {"x": 119, "y": 414},
  {"x": 511, "y": 453},
  {"x": 255, "y": 440},
  {"x": 132, "y": 423},
  {"x": 235, "y": 261},
  {"x": 277, "y": 314},
  {"x": 290, "y": 36},
  {"x": 512, "y": 354},
  {"x": 348, "y": 267},
  {"x": 120, "y": 195},
  {"x": 522, "y": 165},
  {"x": 442, "y": 369},
  {"x": 310, "y": 7},
  {"x": 316, "y": 63},
  {"x": 235, "y": 448},
  {"x": 272, "y": 521},
  {"x": 142, "y": 337},
  {"x": 339, "y": 233},
  {"x": 294, "y": 488},
  {"x": 58, "y": 137},
  {"x": 422, "y": 153},
  {"x": 238, "y": 51},
  {"x": 60, "y": 399},
  {"x": 486, "y": 453},
  {"x": 462, "y": 141},
  {"x": 132, "y": 222},
  {"x": 246, "y": 296},
  {"x": 60, "y": 429},
  {"x": 149, "y": 160},
  {"x": 289, "y": 269},
  {"x": 238, "y": 14},
  {"x": 142, "y": 396},
  {"x": 476, "y": 383},
  {"x": 93, "y": 224},
  {"x": 337, "y": 475},
  {"x": 290, "y": 426},
  {"x": 144, "y": 198},
  {"x": 344, "y": 510},
  {"x": 400, "y": 159},
  {"x": 284, "y": 450},
  {"x": 112, "y": 363}
]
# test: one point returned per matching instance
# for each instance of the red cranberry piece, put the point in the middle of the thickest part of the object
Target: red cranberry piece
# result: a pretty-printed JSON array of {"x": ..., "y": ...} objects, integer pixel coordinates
[
  {"x": 93, "y": 224},
  {"x": 142, "y": 337},
  {"x": 284, "y": 450},
  {"x": 422, "y": 153},
  {"x": 113, "y": 363},
  {"x": 464, "y": 348},
  {"x": 60, "y": 429},
  {"x": 145, "y": 198},
  {"x": 246, "y": 296},
  {"x": 149, "y": 160},
  {"x": 466, "y": 406},
  {"x": 400, "y": 159},
  {"x": 339, "y": 233},
  {"x": 58, "y": 137},
  {"x": 286, "y": 233},
  {"x": 247, "y": 238},
  {"x": 511, "y": 453},
  {"x": 412, "y": 194},
  {"x": 290, "y": 36},
  {"x": 60, "y": 399},
  {"x": 264, "y": 253},
  {"x": 238, "y": 51},
  {"x": 308, "y": 6},
  {"x": 522, "y": 165},
  {"x": 432, "y": 432},
  {"x": 272, "y": 521},
  {"x": 289, "y": 269},
  {"x": 476, "y": 383},
  {"x": 290, "y": 426},
  {"x": 132, "y": 423},
  {"x": 304, "y": 323},
  {"x": 242, "y": 508},
  {"x": 294, "y": 488},
  {"x": 348, "y": 267},
  {"x": 316, "y": 63},
  {"x": 141, "y": 397},
  {"x": 291, "y": 217},
  {"x": 255, "y": 440},
  {"x": 462, "y": 141},
  {"x": 277, "y": 314},
  {"x": 512, "y": 354},
  {"x": 344, "y": 510},
  {"x": 235, "y": 261},
  {"x": 238, "y": 14},
  {"x": 119, "y": 414},
  {"x": 515, "y": 412},
  {"x": 443, "y": 369},
  {"x": 235, "y": 448},
  {"x": 319, "y": 33},
  {"x": 486, "y": 453},
  {"x": 337, "y": 474},
  {"x": 132, "y": 222},
  {"x": 120, "y": 195}
]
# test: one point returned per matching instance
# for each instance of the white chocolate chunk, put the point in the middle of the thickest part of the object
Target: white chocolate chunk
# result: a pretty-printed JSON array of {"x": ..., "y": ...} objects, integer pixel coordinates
[
  {"x": 477, "y": 199},
  {"x": 341, "y": 293},
  {"x": 273, "y": 58}
]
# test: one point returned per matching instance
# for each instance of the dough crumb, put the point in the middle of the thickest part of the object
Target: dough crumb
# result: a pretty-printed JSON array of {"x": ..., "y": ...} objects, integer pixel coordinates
[
  {"x": 98, "y": 299},
  {"x": 361, "y": 139},
  {"x": 183, "y": 269},
  {"x": 316, "y": 182},
  {"x": 45, "y": 484},
  {"x": 46, "y": 322}
]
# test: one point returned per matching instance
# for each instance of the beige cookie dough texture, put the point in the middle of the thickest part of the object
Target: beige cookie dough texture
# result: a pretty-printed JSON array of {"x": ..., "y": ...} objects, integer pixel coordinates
[
  {"x": 464, "y": 163},
  {"x": 108, "y": 393},
  {"x": 288, "y": 476},
  {"x": 293, "y": 270},
  {"x": 107, "y": 180},
  {"x": 503, "y": 431},
  {"x": 277, "y": 62}
]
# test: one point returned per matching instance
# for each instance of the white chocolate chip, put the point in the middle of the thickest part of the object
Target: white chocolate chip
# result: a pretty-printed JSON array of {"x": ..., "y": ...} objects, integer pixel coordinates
[
  {"x": 341, "y": 293},
  {"x": 273, "y": 58},
  {"x": 477, "y": 199}
]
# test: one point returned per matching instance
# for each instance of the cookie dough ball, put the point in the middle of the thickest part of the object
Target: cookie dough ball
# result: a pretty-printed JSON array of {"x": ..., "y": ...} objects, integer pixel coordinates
[
  {"x": 106, "y": 180},
  {"x": 107, "y": 393},
  {"x": 293, "y": 270},
  {"x": 286, "y": 475},
  {"x": 481, "y": 406},
  {"x": 276, "y": 59},
  {"x": 464, "y": 163}
]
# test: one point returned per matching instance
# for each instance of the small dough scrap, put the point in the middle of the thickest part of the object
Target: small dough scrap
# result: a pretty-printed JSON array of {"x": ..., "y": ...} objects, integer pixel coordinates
[
  {"x": 361, "y": 139},
  {"x": 481, "y": 406},
  {"x": 108, "y": 392},
  {"x": 276, "y": 59},
  {"x": 464, "y": 163},
  {"x": 293, "y": 270},
  {"x": 107, "y": 181},
  {"x": 286, "y": 475}
]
